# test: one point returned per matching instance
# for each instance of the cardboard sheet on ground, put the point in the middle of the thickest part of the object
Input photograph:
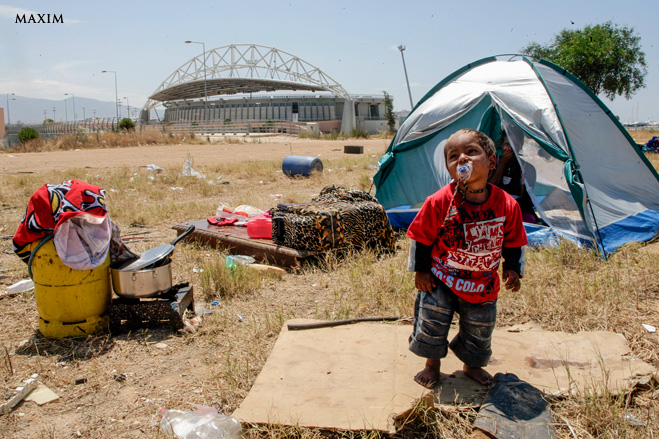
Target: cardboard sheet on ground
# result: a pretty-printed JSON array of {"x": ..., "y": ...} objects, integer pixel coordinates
[{"x": 359, "y": 376}]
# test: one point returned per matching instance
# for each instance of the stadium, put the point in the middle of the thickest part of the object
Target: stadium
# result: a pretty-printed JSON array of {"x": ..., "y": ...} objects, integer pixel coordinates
[{"x": 253, "y": 88}]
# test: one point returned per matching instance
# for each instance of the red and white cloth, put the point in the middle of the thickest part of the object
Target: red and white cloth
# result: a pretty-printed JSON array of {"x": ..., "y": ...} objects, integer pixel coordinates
[{"x": 75, "y": 212}]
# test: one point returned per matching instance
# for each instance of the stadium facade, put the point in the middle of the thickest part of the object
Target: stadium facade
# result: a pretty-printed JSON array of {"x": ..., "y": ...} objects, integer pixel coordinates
[{"x": 243, "y": 84}]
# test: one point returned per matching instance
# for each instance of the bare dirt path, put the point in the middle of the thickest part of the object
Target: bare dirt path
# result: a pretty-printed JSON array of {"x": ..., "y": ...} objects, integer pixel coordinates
[{"x": 275, "y": 148}]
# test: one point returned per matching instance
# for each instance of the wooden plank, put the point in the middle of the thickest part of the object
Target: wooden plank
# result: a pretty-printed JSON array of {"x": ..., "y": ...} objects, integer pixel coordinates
[
  {"x": 21, "y": 392},
  {"x": 236, "y": 240}
]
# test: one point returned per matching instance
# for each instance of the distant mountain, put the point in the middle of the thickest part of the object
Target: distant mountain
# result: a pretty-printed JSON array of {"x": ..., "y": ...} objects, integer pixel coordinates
[{"x": 31, "y": 110}]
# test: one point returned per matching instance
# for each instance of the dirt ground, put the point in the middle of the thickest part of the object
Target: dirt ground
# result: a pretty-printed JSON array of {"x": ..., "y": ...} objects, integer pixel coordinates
[
  {"x": 259, "y": 148},
  {"x": 111, "y": 386}
]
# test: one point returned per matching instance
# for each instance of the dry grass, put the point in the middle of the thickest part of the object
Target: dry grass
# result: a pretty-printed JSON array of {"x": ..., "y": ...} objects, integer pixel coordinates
[
  {"x": 130, "y": 375},
  {"x": 107, "y": 139},
  {"x": 643, "y": 135}
]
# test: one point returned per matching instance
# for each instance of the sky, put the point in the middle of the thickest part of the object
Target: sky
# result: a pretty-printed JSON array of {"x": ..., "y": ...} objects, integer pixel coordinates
[{"x": 353, "y": 41}]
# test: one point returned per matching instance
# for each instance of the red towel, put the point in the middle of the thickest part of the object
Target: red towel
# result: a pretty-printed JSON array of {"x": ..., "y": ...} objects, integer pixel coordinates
[{"x": 219, "y": 221}]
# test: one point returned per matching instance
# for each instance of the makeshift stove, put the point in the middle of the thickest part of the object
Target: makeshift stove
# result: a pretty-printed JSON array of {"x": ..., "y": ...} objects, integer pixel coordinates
[{"x": 168, "y": 307}]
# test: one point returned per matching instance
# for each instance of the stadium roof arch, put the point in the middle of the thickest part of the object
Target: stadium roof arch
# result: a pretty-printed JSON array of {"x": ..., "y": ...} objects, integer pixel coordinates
[{"x": 242, "y": 68}]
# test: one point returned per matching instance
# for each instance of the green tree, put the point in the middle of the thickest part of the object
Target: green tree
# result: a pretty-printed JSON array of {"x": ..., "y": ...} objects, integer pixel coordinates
[
  {"x": 27, "y": 133},
  {"x": 127, "y": 124},
  {"x": 606, "y": 57},
  {"x": 389, "y": 112}
]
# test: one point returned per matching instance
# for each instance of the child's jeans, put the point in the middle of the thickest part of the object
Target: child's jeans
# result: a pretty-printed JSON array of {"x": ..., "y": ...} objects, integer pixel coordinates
[{"x": 433, "y": 313}]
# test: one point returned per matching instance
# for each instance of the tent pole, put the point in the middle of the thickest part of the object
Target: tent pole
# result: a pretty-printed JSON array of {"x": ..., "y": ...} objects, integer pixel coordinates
[{"x": 597, "y": 229}]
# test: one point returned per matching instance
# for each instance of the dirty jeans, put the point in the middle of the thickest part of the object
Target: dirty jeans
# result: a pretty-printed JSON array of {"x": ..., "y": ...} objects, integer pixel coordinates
[{"x": 433, "y": 313}]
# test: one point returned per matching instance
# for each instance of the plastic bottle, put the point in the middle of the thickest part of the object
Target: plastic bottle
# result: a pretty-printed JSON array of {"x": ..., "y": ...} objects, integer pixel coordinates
[
  {"x": 203, "y": 423},
  {"x": 464, "y": 171},
  {"x": 232, "y": 261}
]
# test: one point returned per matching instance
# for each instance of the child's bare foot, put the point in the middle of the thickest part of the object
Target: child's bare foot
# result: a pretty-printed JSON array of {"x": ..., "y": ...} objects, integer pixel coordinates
[
  {"x": 429, "y": 376},
  {"x": 478, "y": 374}
]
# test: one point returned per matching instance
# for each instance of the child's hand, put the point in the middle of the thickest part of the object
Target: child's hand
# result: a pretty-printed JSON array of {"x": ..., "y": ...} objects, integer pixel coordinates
[
  {"x": 511, "y": 280},
  {"x": 424, "y": 281}
]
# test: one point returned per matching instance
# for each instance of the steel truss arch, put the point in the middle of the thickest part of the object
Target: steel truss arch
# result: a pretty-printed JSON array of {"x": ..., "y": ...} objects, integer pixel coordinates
[{"x": 242, "y": 68}]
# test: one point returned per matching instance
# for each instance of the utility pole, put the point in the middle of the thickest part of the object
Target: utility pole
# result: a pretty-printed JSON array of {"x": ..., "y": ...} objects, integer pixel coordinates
[
  {"x": 74, "y": 104},
  {"x": 116, "y": 96},
  {"x": 205, "y": 89},
  {"x": 401, "y": 48},
  {"x": 13, "y": 99}
]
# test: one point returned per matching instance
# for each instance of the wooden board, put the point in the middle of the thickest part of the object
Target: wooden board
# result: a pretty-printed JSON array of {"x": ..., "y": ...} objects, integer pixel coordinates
[{"x": 236, "y": 240}]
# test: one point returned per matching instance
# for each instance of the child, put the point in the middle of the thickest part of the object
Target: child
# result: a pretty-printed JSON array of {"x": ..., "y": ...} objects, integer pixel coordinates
[{"x": 459, "y": 237}]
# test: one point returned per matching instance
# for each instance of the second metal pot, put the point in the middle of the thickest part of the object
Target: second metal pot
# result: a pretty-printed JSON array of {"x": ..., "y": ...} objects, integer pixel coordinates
[{"x": 142, "y": 283}]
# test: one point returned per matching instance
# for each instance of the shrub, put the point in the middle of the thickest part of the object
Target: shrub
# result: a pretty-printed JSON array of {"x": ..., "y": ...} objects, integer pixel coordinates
[
  {"x": 27, "y": 133},
  {"x": 360, "y": 133},
  {"x": 389, "y": 113},
  {"x": 127, "y": 124}
]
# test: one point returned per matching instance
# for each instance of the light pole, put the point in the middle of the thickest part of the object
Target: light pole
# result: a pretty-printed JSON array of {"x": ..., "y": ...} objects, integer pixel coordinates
[
  {"x": 127, "y": 106},
  {"x": 116, "y": 96},
  {"x": 66, "y": 112},
  {"x": 74, "y": 104},
  {"x": 205, "y": 89},
  {"x": 45, "y": 116},
  {"x": 13, "y": 99},
  {"x": 54, "y": 117},
  {"x": 84, "y": 117},
  {"x": 401, "y": 48}
]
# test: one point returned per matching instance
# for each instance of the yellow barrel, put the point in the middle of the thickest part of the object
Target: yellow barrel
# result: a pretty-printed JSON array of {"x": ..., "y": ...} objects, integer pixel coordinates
[{"x": 71, "y": 303}]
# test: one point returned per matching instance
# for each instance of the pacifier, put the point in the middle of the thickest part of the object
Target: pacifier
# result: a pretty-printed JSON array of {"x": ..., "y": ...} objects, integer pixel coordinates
[{"x": 464, "y": 171}]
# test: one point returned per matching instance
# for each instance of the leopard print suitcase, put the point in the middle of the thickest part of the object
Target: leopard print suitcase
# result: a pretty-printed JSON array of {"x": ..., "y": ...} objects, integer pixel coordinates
[{"x": 337, "y": 218}]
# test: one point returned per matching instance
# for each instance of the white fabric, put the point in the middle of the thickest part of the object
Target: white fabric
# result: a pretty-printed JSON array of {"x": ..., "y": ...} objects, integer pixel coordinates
[{"x": 82, "y": 243}]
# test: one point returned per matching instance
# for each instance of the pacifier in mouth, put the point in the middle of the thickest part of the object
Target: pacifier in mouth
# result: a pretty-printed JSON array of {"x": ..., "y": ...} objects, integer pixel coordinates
[{"x": 464, "y": 171}]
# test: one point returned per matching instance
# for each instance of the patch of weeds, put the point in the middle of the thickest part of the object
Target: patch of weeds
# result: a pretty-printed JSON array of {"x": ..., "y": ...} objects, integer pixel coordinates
[
  {"x": 219, "y": 282},
  {"x": 67, "y": 349}
]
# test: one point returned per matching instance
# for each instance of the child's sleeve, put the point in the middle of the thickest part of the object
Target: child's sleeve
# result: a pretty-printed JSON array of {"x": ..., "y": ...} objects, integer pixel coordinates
[
  {"x": 419, "y": 257},
  {"x": 515, "y": 240},
  {"x": 514, "y": 258},
  {"x": 425, "y": 226},
  {"x": 514, "y": 232}
]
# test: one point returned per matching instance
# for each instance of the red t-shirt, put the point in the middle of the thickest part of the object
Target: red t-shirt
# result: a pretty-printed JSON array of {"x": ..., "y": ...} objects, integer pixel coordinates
[{"x": 466, "y": 250}]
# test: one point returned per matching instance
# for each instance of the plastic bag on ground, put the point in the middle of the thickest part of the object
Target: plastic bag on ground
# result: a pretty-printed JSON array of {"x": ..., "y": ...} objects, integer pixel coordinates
[
  {"x": 203, "y": 423},
  {"x": 244, "y": 211},
  {"x": 187, "y": 170}
]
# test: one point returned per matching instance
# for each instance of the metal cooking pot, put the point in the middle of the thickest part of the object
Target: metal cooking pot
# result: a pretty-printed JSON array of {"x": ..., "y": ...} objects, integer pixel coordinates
[
  {"x": 148, "y": 282},
  {"x": 156, "y": 256}
]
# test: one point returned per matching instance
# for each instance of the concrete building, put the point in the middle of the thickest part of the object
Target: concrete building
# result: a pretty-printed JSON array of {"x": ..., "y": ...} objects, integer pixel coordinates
[{"x": 243, "y": 84}]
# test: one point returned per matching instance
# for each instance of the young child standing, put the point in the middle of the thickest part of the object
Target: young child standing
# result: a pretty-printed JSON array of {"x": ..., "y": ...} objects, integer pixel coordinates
[{"x": 460, "y": 235}]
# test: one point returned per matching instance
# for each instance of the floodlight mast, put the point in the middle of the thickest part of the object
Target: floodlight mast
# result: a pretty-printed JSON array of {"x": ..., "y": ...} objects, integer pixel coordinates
[
  {"x": 205, "y": 89},
  {"x": 13, "y": 99},
  {"x": 116, "y": 96},
  {"x": 74, "y": 104},
  {"x": 402, "y": 48}
]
